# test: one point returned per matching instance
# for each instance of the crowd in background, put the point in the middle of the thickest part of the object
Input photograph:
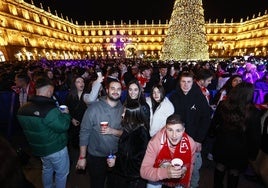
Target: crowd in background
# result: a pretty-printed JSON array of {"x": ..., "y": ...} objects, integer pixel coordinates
[{"x": 215, "y": 100}]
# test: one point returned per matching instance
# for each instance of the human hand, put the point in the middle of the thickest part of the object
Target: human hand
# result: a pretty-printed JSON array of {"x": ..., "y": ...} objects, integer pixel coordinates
[
  {"x": 100, "y": 77},
  {"x": 106, "y": 130},
  {"x": 75, "y": 122},
  {"x": 81, "y": 164},
  {"x": 176, "y": 171}
]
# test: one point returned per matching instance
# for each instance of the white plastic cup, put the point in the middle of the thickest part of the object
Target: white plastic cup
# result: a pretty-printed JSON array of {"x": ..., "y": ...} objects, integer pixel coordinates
[
  {"x": 63, "y": 107},
  {"x": 104, "y": 124},
  {"x": 177, "y": 162}
]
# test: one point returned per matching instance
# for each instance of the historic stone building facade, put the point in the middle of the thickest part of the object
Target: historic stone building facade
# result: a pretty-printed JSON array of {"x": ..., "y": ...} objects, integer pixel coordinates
[{"x": 31, "y": 33}]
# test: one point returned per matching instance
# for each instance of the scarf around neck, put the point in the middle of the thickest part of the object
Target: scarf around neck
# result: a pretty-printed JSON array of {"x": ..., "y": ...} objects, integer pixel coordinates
[{"x": 165, "y": 156}]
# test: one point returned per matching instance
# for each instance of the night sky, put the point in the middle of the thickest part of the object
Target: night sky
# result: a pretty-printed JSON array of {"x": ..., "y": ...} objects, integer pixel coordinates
[{"x": 99, "y": 10}]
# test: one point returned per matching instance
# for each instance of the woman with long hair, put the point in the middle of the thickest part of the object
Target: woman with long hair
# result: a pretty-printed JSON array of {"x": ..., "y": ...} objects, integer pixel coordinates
[
  {"x": 131, "y": 150},
  {"x": 134, "y": 93},
  {"x": 226, "y": 88},
  {"x": 77, "y": 108},
  {"x": 238, "y": 133},
  {"x": 160, "y": 108}
]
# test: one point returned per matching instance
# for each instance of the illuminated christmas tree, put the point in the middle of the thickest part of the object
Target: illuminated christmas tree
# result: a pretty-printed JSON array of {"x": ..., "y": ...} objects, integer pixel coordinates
[{"x": 186, "y": 36}]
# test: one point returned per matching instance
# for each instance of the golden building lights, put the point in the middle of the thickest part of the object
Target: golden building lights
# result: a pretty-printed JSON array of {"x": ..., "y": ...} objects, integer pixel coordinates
[{"x": 26, "y": 29}]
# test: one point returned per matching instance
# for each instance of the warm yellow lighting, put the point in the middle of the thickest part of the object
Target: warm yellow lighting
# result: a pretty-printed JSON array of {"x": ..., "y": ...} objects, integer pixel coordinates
[
  {"x": 44, "y": 20},
  {"x": 107, "y": 32},
  {"x": 100, "y": 32},
  {"x": 121, "y": 32},
  {"x": 26, "y": 14},
  {"x": 186, "y": 37},
  {"x": 13, "y": 10},
  {"x": 145, "y": 32},
  {"x": 93, "y": 32},
  {"x": 137, "y": 32}
]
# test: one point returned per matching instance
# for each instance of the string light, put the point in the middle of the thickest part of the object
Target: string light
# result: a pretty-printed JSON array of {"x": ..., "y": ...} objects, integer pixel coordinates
[{"x": 186, "y": 37}]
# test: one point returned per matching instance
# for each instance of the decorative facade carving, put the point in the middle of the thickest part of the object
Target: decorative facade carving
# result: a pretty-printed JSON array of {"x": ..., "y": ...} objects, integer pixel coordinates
[{"x": 36, "y": 33}]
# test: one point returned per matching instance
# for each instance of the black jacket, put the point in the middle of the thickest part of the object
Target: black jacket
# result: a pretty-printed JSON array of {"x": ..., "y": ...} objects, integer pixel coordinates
[
  {"x": 131, "y": 150},
  {"x": 194, "y": 111}
]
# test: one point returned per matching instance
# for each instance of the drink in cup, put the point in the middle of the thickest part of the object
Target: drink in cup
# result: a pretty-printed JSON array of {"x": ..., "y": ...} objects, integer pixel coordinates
[
  {"x": 63, "y": 107},
  {"x": 177, "y": 162},
  {"x": 104, "y": 125}
]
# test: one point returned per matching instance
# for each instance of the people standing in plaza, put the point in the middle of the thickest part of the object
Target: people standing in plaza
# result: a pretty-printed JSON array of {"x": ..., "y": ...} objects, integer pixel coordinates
[
  {"x": 144, "y": 77},
  {"x": 23, "y": 87},
  {"x": 135, "y": 94},
  {"x": 45, "y": 127},
  {"x": 132, "y": 146},
  {"x": 132, "y": 72},
  {"x": 97, "y": 142},
  {"x": 190, "y": 103},
  {"x": 160, "y": 108},
  {"x": 203, "y": 79},
  {"x": 250, "y": 75},
  {"x": 94, "y": 89},
  {"x": 170, "y": 142},
  {"x": 165, "y": 78},
  {"x": 221, "y": 95},
  {"x": 77, "y": 108},
  {"x": 226, "y": 88},
  {"x": 237, "y": 137}
]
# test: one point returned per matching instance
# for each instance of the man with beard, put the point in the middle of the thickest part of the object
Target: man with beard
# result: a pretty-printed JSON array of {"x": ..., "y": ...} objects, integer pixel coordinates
[{"x": 97, "y": 142}]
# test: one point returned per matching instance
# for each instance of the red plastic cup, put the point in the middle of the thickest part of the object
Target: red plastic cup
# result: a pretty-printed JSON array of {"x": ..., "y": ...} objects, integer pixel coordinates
[{"x": 104, "y": 124}]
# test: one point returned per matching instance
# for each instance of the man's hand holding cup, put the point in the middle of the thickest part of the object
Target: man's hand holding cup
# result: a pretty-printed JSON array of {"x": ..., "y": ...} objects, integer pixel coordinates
[
  {"x": 177, "y": 170},
  {"x": 104, "y": 127}
]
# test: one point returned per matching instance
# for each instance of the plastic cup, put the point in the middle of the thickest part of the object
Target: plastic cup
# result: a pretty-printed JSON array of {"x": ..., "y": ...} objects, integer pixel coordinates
[
  {"x": 177, "y": 162},
  {"x": 104, "y": 124},
  {"x": 63, "y": 107}
]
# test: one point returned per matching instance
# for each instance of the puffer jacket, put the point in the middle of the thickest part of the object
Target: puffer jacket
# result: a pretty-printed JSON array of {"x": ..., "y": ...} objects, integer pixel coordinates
[{"x": 44, "y": 125}]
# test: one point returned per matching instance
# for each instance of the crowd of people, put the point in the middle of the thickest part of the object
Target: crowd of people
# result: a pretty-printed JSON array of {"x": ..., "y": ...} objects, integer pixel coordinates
[{"x": 154, "y": 112}]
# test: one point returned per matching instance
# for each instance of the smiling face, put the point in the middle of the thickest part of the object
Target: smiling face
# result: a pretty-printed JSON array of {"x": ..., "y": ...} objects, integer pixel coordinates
[
  {"x": 114, "y": 91},
  {"x": 133, "y": 91},
  {"x": 174, "y": 133}
]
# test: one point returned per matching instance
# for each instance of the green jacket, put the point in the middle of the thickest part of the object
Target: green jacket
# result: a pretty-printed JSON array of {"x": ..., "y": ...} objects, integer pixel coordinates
[{"x": 44, "y": 126}]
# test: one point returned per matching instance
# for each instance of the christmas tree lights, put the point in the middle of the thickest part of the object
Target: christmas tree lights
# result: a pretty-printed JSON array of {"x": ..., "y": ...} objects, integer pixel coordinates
[{"x": 186, "y": 36}]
